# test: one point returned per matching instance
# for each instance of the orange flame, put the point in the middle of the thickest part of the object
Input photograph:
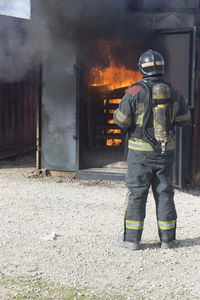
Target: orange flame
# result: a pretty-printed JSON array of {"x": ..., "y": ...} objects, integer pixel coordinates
[
  {"x": 113, "y": 76},
  {"x": 113, "y": 131},
  {"x": 114, "y": 101},
  {"x": 113, "y": 142}
]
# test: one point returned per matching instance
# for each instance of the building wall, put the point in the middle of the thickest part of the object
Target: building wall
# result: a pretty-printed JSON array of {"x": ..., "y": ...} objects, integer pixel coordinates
[
  {"x": 196, "y": 123},
  {"x": 18, "y": 108}
]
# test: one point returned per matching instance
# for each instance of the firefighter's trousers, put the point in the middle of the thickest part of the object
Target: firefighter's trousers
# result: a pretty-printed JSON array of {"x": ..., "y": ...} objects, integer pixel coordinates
[{"x": 147, "y": 169}]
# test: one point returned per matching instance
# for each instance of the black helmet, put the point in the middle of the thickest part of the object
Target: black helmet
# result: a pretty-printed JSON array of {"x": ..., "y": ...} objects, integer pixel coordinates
[{"x": 151, "y": 63}]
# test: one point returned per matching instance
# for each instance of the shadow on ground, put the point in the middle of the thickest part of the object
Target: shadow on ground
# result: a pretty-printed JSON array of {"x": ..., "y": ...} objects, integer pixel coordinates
[
  {"x": 26, "y": 160},
  {"x": 189, "y": 242}
]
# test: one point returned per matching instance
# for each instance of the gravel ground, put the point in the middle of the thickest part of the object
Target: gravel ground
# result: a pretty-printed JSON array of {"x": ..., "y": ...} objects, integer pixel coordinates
[{"x": 58, "y": 241}]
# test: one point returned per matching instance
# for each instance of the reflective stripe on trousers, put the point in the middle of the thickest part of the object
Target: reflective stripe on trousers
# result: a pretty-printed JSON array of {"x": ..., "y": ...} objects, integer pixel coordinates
[
  {"x": 136, "y": 225},
  {"x": 166, "y": 225},
  {"x": 147, "y": 169}
]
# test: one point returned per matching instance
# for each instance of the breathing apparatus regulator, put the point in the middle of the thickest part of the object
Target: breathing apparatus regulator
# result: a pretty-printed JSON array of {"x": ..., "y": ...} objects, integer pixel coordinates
[{"x": 160, "y": 104}]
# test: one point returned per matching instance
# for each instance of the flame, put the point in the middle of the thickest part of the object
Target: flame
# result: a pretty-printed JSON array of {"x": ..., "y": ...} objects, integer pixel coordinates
[
  {"x": 113, "y": 142},
  {"x": 114, "y": 101},
  {"x": 111, "y": 111},
  {"x": 114, "y": 76},
  {"x": 113, "y": 131}
]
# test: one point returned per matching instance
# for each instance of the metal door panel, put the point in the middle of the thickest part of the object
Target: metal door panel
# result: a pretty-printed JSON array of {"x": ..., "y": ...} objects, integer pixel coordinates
[
  {"x": 58, "y": 143},
  {"x": 180, "y": 59},
  {"x": 180, "y": 71}
]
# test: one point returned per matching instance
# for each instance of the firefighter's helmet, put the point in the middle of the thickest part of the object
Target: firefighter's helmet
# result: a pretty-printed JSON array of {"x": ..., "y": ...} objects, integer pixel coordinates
[{"x": 151, "y": 63}]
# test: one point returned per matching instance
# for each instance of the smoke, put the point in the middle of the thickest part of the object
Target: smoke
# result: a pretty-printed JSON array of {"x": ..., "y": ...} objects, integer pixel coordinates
[
  {"x": 81, "y": 23},
  {"x": 161, "y": 5},
  {"x": 70, "y": 25},
  {"x": 25, "y": 44},
  {"x": 56, "y": 23},
  {"x": 22, "y": 46}
]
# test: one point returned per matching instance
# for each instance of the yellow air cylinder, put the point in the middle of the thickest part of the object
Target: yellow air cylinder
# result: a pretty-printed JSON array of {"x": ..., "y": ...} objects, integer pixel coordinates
[{"x": 160, "y": 100}]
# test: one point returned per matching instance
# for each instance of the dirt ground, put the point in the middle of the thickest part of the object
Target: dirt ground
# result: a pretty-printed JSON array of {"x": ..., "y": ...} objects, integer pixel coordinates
[{"x": 58, "y": 241}]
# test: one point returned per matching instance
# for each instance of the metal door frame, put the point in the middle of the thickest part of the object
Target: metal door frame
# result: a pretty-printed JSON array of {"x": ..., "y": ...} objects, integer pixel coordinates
[{"x": 178, "y": 170}]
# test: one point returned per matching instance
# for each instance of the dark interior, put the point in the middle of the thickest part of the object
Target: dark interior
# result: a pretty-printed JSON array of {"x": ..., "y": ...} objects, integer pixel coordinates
[{"x": 102, "y": 143}]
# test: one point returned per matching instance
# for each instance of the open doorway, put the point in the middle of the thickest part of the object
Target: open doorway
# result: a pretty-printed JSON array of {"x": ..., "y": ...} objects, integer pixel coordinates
[{"x": 113, "y": 70}]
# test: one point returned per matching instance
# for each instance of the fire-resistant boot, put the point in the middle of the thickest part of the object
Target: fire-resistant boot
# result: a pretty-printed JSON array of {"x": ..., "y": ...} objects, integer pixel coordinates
[
  {"x": 129, "y": 245},
  {"x": 168, "y": 245}
]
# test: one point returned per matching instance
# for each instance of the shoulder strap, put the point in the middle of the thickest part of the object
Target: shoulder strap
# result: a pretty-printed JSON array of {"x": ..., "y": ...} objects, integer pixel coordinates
[{"x": 155, "y": 144}]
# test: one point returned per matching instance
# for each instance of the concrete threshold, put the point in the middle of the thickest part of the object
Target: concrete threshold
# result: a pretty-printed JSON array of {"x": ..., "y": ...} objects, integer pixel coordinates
[{"x": 101, "y": 174}]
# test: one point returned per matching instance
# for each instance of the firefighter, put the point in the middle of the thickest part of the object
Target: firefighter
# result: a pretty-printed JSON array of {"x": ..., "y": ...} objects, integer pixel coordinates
[{"x": 149, "y": 112}]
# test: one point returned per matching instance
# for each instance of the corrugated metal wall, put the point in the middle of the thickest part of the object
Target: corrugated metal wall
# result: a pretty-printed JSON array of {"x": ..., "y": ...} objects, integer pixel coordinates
[{"x": 18, "y": 108}]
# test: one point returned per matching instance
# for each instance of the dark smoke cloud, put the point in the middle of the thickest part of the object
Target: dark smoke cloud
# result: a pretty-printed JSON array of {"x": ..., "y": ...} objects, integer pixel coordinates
[
  {"x": 82, "y": 23},
  {"x": 58, "y": 23},
  {"x": 79, "y": 19},
  {"x": 161, "y": 5},
  {"x": 70, "y": 25}
]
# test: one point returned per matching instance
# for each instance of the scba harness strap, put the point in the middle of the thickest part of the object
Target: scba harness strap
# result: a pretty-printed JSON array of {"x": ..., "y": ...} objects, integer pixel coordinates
[{"x": 159, "y": 106}]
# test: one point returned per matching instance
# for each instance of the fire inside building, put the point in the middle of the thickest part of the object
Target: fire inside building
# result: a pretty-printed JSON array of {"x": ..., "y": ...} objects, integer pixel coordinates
[{"x": 63, "y": 109}]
